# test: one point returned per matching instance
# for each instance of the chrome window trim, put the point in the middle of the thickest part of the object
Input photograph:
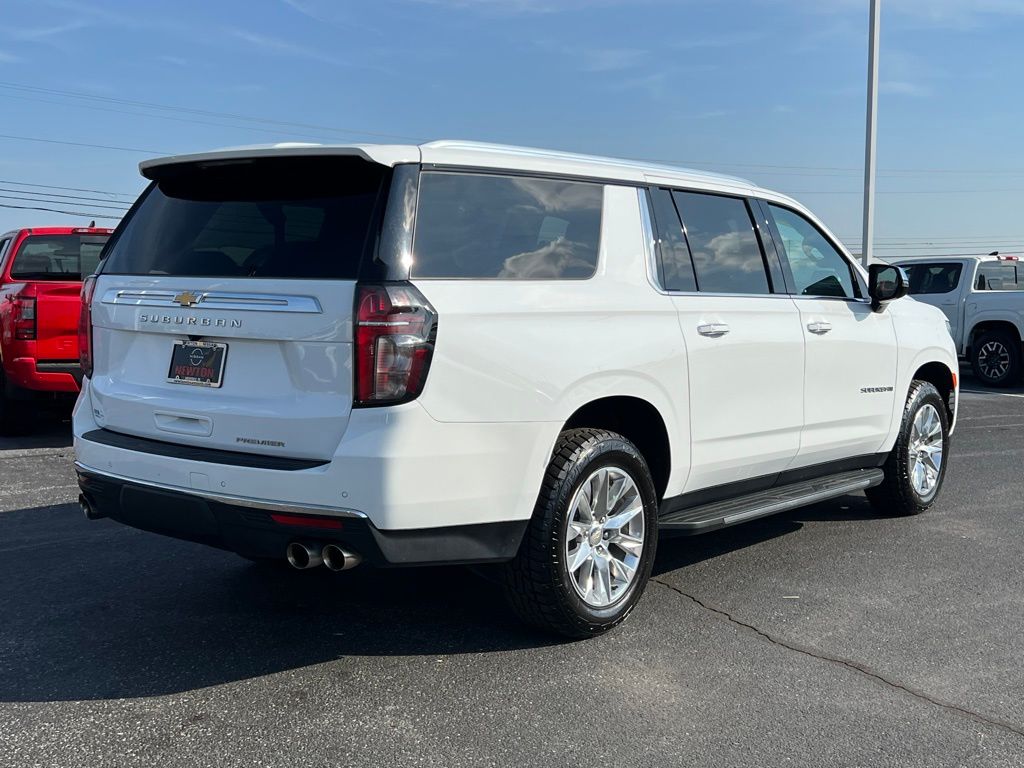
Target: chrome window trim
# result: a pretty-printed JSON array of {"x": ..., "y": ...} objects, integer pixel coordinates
[
  {"x": 733, "y": 295},
  {"x": 226, "y": 498},
  {"x": 793, "y": 296},
  {"x": 847, "y": 299},
  {"x": 253, "y": 302},
  {"x": 650, "y": 244}
]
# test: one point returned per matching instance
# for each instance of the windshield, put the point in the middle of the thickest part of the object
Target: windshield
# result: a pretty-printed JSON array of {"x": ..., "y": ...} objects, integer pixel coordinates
[
  {"x": 57, "y": 257},
  {"x": 273, "y": 218}
]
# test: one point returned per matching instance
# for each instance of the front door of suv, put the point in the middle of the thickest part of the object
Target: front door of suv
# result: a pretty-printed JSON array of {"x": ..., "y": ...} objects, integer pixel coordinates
[
  {"x": 744, "y": 345},
  {"x": 850, "y": 368}
]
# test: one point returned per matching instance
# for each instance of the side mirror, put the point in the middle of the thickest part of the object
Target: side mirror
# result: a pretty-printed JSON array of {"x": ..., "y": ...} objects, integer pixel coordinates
[{"x": 886, "y": 283}]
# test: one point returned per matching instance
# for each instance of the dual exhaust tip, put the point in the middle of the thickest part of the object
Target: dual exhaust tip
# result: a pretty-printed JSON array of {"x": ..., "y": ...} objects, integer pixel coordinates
[{"x": 302, "y": 556}]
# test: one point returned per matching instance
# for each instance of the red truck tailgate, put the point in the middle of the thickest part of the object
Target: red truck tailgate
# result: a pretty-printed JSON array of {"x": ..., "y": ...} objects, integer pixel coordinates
[{"x": 57, "y": 310}]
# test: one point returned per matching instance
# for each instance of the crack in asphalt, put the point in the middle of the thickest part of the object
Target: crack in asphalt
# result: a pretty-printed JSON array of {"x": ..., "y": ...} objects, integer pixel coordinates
[{"x": 861, "y": 669}]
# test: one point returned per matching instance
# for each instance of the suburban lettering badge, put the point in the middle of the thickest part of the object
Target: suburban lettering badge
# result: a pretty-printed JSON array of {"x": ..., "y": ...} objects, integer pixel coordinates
[{"x": 205, "y": 322}]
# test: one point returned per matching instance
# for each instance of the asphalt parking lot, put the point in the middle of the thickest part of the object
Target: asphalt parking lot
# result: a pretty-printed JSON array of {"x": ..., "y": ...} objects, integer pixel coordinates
[{"x": 824, "y": 637}]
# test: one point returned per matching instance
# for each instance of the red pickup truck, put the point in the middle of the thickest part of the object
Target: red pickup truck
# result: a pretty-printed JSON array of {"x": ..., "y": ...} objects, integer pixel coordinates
[{"x": 41, "y": 273}]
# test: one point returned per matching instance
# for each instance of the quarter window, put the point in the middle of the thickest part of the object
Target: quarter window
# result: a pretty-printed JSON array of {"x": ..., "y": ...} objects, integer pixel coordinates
[
  {"x": 507, "y": 227},
  {"x": 818, "y": 268},
  {"x": 726, "y": 254}
]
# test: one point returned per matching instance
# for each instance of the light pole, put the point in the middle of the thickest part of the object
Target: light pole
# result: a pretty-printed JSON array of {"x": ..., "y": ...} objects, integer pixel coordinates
[{"x": 867, "y": 239}]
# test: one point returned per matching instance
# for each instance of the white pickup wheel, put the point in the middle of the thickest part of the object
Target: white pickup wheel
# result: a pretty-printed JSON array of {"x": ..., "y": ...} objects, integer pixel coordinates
[{"x": 995, "y": 358}]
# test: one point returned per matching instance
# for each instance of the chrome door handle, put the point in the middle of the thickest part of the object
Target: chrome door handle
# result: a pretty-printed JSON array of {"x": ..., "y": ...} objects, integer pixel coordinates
[
  {"x": 714, "y": 330},
  {"x": 819, "y": 327}
]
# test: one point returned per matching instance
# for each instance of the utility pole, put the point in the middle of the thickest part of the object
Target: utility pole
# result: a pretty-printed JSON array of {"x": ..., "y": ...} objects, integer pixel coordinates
[{"x": 867, "y": 239}]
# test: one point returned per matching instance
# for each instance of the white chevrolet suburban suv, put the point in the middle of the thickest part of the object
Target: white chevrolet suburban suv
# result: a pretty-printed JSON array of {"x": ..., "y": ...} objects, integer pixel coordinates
[
  {"x": 465, "y": 353},
  {"x": 982, "y": 298}
]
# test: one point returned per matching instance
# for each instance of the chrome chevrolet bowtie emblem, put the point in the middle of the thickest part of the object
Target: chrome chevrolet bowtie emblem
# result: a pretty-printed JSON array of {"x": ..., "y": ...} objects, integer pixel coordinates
[{"x": 187, "y": 298}]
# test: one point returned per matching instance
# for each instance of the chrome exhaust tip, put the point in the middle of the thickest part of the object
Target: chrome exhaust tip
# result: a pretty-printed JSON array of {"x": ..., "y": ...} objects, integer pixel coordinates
[
  {"x": 339, "y": 559},
  {"x": 87, "y": 509},
  {"x": 302, "y": 556}
]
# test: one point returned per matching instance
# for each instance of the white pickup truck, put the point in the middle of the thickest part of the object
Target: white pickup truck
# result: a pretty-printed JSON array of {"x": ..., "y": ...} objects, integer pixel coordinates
[{"x": 983, "y": 299}]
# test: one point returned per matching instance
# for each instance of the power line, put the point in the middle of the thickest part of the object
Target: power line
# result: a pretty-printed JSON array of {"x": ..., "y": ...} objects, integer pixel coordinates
[
  {"x": 205, "y": 112},
  {"x": 940, "y": 255},
  {"x": 83, "y": 144},
  {"x": 123, "y": 205},
  {"x": 799, "y": 170},
  {"x": 95, "y": 107},
  {"x": 68, "y": 189},
  {"x": 66, "y": 213},
  {"x": 121, "y": 208}
]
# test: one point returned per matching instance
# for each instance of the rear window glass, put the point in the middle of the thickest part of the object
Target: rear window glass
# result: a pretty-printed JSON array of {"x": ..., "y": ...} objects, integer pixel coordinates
[
  {"x": 274, "y": 218},
  {"x": 933, "y": 278},
  {"x": 57, "y": 257},
  {"x": 726, "y": 253},
  {"x": 506, "y": 227},
  {"x": 999, "y": 276}
]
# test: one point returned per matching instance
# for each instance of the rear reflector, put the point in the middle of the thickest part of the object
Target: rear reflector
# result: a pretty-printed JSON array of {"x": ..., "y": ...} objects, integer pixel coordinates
[{"x": 306, "y": 522}]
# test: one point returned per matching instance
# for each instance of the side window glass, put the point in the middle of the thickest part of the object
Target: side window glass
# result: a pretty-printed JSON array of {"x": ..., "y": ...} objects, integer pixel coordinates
[
  {"x": 933, "y": 278},
  {"x": 506, "y": 227},
  {"x": 673, "y": 252},
  {"x": 818, "y": 268},
  {"x": 726, "y": 254},
  {"x": 998, "y": 276},
  {"x": 3, "y": 250}
]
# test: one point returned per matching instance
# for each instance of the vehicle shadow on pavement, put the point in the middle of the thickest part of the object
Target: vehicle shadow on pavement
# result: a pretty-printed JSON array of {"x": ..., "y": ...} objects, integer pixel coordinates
[
  {"x": 49, "y": 428},
  {"x": 100, "y": 611}
]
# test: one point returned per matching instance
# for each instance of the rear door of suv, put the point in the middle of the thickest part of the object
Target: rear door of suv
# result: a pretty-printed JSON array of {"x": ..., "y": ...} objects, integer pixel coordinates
[
  {"x": 222, "y": 315},
  {"x": 744, "y": 344}
]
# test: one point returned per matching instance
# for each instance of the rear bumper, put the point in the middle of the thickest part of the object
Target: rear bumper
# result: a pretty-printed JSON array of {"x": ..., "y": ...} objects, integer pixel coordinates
[
  {"x": 44, "y": 375},
  {"x": 265, "y": 531},
  {"x": 396, "y": 467}
]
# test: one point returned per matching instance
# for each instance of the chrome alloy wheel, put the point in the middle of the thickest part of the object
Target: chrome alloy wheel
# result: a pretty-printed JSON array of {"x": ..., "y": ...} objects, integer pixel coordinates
[
  {"x": 994, "y": 360},
  {"x": 925, "y": 451},
  {"x": 604, "y": 536}
]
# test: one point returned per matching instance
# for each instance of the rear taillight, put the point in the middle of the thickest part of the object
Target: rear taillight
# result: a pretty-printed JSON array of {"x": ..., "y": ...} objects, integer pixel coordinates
[
  {"x": 395, "y": 328},
  {"x": 24, "y": 318},
  {"x": 85, "y": 327}
]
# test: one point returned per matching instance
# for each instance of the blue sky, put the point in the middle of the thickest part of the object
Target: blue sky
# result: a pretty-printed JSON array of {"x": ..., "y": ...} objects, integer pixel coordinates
[{"x": 772, "y": 90}]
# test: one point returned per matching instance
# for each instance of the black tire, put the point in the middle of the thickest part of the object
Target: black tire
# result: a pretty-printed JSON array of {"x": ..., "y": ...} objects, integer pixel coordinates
[
  {"x": 537, "y": 582},
  {"x": 897, "y": 495},
  {"x": 995, "y": 358}
]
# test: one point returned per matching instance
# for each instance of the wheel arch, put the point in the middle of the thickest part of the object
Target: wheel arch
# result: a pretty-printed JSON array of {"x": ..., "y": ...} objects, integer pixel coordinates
[
  {"x": 943, "y": 379},
  {"x": 993, "y": 323},
  {"x": 639, "y": 421}
]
